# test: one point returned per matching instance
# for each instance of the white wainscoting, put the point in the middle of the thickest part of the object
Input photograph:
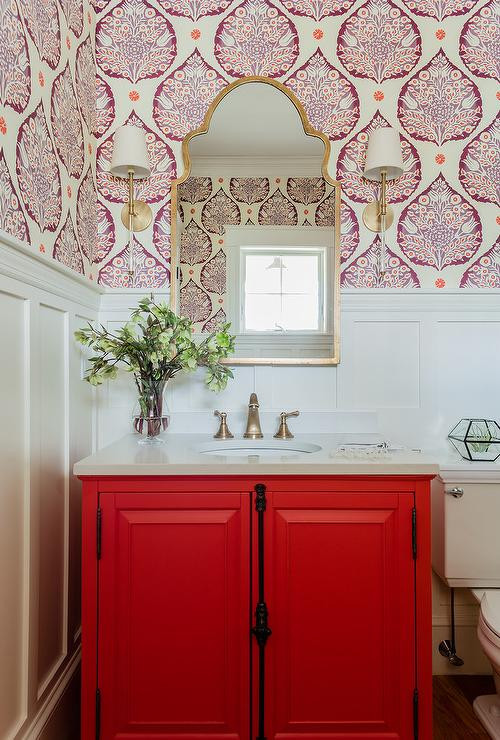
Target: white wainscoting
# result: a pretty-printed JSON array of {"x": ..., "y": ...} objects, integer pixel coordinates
[
  {"x": 415, "y": 361},
  {"x": 48, "y": 422}
]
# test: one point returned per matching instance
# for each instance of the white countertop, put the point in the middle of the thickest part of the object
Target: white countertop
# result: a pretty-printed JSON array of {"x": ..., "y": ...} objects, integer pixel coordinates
[{"x": 180, "y": 455}]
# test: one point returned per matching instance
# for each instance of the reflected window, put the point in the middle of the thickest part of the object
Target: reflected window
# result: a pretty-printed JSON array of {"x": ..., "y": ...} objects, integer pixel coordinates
[{"x": 283, "y": 289}]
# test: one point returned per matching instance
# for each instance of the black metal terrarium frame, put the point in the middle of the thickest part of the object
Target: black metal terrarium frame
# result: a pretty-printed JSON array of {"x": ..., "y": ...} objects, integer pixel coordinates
[{"x": 476, "y": 445}]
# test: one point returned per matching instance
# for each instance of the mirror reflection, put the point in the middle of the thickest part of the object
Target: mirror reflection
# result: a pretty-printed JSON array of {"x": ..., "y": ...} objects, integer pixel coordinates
[{"x": 256, "y": 232}]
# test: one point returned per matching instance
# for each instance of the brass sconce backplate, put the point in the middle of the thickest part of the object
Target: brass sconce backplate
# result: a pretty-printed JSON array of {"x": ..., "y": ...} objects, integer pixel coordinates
[
  {"x": 143, "y": 215},
  {"x": 372, "y": 219}
]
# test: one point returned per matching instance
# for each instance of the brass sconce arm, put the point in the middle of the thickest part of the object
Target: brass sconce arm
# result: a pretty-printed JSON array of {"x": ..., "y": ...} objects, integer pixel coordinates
[
  {"x": 378, "y": 215},
  {"x": 136, "y": 214},
  {"x": 383, "y": 193}
]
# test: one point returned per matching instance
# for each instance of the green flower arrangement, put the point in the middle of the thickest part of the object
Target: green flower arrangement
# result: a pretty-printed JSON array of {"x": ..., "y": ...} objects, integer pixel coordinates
[{"x": 155, "y": 345}]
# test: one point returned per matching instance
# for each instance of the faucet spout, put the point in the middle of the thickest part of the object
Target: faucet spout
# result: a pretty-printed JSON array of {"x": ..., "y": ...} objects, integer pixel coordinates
[{"x": 253, "y": 430}]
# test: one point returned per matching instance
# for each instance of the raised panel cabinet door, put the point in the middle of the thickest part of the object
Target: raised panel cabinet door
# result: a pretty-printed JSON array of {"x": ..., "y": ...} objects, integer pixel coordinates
[
  {"x": 340, "y": 591},
  {"x": 174, "y": 632}
]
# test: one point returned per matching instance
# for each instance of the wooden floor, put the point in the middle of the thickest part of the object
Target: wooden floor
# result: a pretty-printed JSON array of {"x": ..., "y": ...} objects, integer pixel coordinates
[{"x": 454, "y": 718}]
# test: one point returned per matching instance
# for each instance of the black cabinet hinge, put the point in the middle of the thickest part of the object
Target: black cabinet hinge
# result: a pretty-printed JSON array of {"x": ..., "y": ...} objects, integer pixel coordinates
[
  {"x": 97, "y": 714},
  {"x": 415, "y": 714},
  {"x": 99, "y": 532},
  {"x": 414, "y": 532}
]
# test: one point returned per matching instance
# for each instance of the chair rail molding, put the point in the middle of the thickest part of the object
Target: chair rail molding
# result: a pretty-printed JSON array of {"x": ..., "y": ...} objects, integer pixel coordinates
[{"x": 19, "y": 261}]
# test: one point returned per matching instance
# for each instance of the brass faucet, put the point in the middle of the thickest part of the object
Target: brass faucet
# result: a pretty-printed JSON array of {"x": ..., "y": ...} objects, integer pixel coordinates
[{"x": 253, "y": 430}]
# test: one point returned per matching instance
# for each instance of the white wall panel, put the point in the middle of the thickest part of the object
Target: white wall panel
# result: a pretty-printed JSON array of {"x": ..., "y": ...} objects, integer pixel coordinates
[
  {"x": 468, "y": 370},
  {"x": 189, "y": 392},
  {"x": 381, "y": 364},
  {"x": 293, "y": 388},
  {"x": 53, "y": 492},
  {"x": 82, "y": 438},
  {"x": 14, "y": 503}
]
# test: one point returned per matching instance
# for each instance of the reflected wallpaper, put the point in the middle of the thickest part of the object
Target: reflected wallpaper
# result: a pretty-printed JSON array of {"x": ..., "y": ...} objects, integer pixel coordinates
[{"x": 207, "y": 204}]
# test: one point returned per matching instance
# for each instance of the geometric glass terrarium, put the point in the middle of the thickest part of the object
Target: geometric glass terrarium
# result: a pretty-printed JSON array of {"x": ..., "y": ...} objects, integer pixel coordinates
[{"x": 476, "y": 439}]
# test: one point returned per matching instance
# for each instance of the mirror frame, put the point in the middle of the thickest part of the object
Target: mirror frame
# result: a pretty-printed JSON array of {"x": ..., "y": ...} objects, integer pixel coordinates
[{"x": 174, "y": 251}]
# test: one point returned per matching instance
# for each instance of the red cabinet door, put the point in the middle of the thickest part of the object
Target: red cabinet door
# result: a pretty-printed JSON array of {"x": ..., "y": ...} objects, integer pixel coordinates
[
  {"x": 173, "y": 641},
  {"x": 340, "y": 591}
]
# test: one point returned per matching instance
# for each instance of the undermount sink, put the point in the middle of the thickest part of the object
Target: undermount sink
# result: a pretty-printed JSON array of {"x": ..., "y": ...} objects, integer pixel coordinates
[{"x": 258, "y": 447}]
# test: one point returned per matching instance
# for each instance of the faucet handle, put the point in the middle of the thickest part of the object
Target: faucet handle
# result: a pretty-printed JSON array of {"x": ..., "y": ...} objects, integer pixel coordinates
[
  {"x": 223, "y": 432},
  {"x": 283, "y": 430}
]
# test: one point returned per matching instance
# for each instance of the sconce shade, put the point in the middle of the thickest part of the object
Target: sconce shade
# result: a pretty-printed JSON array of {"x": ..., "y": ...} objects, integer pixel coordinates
[
  {"x": 383, "y": 153},
  {"x": 130, "y": 152}
]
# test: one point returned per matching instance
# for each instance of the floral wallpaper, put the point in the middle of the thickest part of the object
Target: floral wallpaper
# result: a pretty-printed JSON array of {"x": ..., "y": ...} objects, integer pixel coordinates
[
  {"x": 207, "y": 205},
  {"x": 47, "y": 104},
  {"x": 429, "y": 67}
]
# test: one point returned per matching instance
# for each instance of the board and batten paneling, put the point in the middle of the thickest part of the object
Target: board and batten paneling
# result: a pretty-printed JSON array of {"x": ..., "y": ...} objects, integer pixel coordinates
[
  {"x": 48, "y": 422},
  {"x": 14, "y": 508},
  {"x": 53, "y": 493},
  {"x": 417, "y": 360}
]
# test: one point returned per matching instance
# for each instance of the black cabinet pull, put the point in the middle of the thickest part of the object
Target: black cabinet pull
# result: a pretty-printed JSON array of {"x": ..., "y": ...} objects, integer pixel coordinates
[{"x": 261, "y": 629}]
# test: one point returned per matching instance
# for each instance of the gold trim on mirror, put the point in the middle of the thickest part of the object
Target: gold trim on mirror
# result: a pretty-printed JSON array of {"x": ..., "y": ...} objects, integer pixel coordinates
[{"x": 309, "y": 131}]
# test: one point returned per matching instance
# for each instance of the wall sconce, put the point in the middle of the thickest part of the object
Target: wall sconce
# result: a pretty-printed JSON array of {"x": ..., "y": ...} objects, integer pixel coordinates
[
  {"x": 130, "y": 160},
  {"x": 384, "y": 161}
]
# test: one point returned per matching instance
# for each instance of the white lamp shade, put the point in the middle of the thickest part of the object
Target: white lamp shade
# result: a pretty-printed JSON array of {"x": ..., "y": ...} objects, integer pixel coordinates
[
  {"x": 130, "y": 152},
  {"x": 383, "y": 153}
]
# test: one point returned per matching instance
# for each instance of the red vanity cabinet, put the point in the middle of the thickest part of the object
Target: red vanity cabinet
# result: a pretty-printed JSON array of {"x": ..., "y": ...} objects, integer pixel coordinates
[{"x": 252, "y": 608}]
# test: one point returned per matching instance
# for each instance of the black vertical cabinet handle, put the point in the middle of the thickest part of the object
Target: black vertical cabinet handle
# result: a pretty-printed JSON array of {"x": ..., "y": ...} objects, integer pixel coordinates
[{"x": 261, "y": 629}]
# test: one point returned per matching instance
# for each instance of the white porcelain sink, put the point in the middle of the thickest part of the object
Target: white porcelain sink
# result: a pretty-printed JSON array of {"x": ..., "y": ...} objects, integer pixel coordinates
[{"x": 258, "y": 447}]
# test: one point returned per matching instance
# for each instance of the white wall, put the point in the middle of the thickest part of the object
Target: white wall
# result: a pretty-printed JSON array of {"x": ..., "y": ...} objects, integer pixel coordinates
[
  {"x": 418, "y": 361},
  {"x": 48, "y": 422}
]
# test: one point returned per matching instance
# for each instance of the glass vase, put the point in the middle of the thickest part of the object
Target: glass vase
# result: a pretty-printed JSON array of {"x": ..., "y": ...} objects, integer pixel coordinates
[{"x": 150, "y": 421}]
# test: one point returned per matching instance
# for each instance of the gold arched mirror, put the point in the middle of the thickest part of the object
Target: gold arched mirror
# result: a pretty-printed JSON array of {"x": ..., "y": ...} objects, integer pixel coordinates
[{"x": 256, "y": 228}]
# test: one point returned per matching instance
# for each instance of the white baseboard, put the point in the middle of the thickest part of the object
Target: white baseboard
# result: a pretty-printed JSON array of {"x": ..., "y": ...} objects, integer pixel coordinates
[{"x": 51, "y": 701}]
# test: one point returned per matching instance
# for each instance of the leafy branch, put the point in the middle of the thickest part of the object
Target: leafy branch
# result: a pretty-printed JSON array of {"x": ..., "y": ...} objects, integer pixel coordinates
[{"x": 155, "y": 345}]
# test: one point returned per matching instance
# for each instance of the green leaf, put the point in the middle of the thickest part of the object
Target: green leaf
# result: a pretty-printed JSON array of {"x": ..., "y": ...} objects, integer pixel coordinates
[
  {"x": 81, "y": 336},
  {"x": 156, "y": 344}
]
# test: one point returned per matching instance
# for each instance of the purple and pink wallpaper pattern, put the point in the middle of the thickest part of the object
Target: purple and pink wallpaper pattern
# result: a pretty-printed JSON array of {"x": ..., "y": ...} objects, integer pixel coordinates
[
  {"x": 429, "y": 67},
  {"x": 47, "y": 104}
]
